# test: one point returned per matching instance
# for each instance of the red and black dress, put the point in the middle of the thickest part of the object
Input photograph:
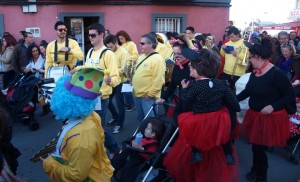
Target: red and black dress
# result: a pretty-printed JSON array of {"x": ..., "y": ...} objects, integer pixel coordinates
[
  {"x": 273, "y": 88},
  {"x": 205, "y": 128}
]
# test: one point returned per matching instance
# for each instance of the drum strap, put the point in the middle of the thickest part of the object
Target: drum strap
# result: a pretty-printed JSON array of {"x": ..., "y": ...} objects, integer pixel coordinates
[
  {"x": 55, "y": 51},
  {"x": 100, "y": 55}
]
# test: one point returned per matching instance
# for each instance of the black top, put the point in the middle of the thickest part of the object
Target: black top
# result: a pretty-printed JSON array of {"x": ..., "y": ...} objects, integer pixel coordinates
[
  {"x": 209, "y": 95},
  {"x": 272, "y": 88},
  {"x": 177, "y": 76}
]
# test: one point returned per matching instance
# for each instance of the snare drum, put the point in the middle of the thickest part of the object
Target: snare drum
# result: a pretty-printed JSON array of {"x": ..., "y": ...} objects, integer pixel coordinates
[{"x": 57, "y": 72}]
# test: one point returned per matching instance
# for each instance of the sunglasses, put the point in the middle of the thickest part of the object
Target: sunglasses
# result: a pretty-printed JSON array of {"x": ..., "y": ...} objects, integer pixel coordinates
[
  {"x": 143, "y": 43},
  {"x": 62, "y": 30},
  {"x": 92, "y": 35}
]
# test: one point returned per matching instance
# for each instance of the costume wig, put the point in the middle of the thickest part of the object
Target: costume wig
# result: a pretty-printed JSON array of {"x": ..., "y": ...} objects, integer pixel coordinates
[{"x": 66, "y": 105}]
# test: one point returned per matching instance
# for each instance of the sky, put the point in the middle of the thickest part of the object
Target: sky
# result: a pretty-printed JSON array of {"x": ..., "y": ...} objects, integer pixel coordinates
[{"x": 243, "y": 11}]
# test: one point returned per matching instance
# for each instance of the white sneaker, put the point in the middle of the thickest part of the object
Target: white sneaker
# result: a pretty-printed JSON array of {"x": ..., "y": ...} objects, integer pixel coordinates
[{"x": 116, "y": 129}]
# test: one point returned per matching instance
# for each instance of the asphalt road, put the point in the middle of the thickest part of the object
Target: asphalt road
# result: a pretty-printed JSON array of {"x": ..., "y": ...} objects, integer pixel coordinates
[{"x": 29, "y": 142}]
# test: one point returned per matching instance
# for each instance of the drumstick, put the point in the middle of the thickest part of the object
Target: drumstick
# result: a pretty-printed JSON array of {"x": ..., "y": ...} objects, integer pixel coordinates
[{"x": 61, "y": 52}]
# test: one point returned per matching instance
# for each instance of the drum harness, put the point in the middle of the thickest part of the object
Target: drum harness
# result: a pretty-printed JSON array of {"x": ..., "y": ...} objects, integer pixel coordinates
[
  {"x": 90, "y": 54},
  {"x": 55, "y": 51}
]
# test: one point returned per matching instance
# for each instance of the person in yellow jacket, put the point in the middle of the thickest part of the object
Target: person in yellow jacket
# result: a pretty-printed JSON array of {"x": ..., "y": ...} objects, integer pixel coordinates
[
  {"x": 125, "y": 41},
  {"x": 101, "y": 57},
  {"x": 62, "y": 51},
  {"x": 148, "y": 77},
  {"x": 80, "y": 155},
  {"x": 234, "y": 66},
  {"x": 118, "y": 115}
]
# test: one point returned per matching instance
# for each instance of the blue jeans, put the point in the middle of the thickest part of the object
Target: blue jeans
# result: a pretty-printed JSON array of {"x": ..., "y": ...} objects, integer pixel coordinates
[
  {"x": 143, "y": 106},
  {"x": 118, "y": 95},
  {"x": 109, "y": 141},
  {"x": 128, "y": 96},
  {"x": 102, "y": 113}
]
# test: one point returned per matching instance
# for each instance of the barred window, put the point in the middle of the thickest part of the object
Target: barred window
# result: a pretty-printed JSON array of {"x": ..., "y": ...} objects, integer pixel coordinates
[
  {"x": 168, "y": 23},
  {"x": 164, "y": 25}
]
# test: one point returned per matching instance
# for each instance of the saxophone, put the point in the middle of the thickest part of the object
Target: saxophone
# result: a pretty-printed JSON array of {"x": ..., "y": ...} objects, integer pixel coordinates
[{"x": 238, "y": 50}]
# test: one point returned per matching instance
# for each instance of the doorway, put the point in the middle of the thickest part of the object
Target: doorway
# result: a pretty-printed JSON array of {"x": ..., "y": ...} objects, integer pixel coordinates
[{"x": 78, "y": 30}]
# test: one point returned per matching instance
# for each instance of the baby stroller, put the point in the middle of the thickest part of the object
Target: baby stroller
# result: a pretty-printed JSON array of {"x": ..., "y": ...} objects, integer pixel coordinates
[
  {"x": 151, "y": 168},
  {"x": 21, "y": 98},
  {"x": 294, "y": 140}
]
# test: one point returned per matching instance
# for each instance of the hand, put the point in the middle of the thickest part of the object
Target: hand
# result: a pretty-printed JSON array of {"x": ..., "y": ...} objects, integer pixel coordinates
[
  {"x": 42, "y": 159},
  {"x": 159, "y": 101},
  {"x": 25, "y": 70},
  {"x": 72, "y": 71},
  {"x": 296, "y": 82},
  {"x": 147, "y": 97},
  {"x": 107, "y": 80},
  {"x": 64, "y": 49},
  {"x": 267, "y": 109},
  {"x": 234, "y": 53},
  {"x": 185, "y": 83},
  {"x": 291, "y": 42},
  {"x": 136, "y": 146},
  {"x": 224, "y": 46}
]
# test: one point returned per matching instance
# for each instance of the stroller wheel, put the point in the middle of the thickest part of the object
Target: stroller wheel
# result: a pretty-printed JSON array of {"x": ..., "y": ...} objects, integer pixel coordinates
[{"x": 34, "y": 126}]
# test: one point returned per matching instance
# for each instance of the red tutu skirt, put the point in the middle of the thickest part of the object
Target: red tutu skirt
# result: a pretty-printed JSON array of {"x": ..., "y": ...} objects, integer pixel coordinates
[
  {"x": 206, "y": 130},
  {"x": 213, "y": 167},
  {"x": 269, "y": 130}
]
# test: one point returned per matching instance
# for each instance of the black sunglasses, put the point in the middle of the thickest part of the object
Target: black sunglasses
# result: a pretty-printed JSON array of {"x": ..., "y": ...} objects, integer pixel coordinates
[
  {"x": 62, "y": 29},
  {"x": 92, "y": 35},
  {"x": 143, "y": 43}
]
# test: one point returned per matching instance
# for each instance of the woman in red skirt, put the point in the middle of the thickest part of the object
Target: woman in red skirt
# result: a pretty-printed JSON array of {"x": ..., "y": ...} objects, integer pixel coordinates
[
  {"x": 204, "y": 130},
  {"x": 266, "y": 123}
]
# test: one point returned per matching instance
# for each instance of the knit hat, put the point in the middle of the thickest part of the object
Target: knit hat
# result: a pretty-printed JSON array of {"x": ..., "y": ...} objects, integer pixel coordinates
[
  {"x": 85, "y": 83},
  {"x": 190, "y": 54}
]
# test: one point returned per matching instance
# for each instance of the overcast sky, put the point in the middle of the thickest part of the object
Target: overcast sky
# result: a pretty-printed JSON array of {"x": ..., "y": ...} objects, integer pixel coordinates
[{"x": 276, "y": 11}]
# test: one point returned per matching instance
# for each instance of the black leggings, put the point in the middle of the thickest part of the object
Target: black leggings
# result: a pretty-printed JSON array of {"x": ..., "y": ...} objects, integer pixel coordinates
[{"x": 260, "y": 158}]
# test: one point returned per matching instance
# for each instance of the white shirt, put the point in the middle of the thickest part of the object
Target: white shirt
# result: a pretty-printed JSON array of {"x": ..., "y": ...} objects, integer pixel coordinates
[{"x": 40, "y": 64}]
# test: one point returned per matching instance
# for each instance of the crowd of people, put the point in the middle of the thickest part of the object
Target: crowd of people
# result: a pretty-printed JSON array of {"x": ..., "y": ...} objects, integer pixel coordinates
[{"x": 188, "y": 66}]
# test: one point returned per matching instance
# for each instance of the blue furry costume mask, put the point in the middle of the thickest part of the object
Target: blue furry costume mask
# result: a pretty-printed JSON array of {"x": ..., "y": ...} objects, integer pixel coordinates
[{"x": 66, "y": 105}]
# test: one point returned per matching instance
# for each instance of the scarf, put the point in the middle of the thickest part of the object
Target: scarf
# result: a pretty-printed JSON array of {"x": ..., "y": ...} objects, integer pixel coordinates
[
  {"x": 258, "y": 70},
  {"x": 180, "y": 64}
]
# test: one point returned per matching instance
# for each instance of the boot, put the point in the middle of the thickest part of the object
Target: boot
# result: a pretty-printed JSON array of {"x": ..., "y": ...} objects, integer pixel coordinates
[
  {"x": 262, "y": 174},
  {"x": 252, "y": 174}
]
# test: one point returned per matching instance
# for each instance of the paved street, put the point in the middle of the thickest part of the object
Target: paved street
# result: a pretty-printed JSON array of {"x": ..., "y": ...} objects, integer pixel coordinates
[{"x": 29, "y": 142}]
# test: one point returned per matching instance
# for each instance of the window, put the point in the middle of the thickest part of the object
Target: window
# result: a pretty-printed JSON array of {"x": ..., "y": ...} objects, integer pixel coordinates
[
  {"x": 168, "y": 23},
  {"x": 164, "y": 25}
]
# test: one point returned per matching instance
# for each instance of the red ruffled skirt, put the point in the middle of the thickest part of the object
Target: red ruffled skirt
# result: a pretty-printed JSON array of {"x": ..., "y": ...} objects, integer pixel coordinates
[
  {"x": 213, "y": 168},
  {"x": 206, "y": 130},
  {"x": 269, "y": 130}
]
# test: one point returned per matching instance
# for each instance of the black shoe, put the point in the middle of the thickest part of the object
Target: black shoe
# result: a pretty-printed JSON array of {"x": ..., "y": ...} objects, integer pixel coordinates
[
  {"x": 261, "y": 178},
  {"x": 230, "y": 159},
  {"x": 196, "y": 157},
  {"x": 252, "y": 175}
]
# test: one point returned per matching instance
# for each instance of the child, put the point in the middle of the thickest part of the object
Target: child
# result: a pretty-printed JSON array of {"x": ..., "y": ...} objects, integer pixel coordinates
[
  {"x": 207, "y": 94},
  {"x": 130, "y": 161},
  {"x": 207, "y": 127}
]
